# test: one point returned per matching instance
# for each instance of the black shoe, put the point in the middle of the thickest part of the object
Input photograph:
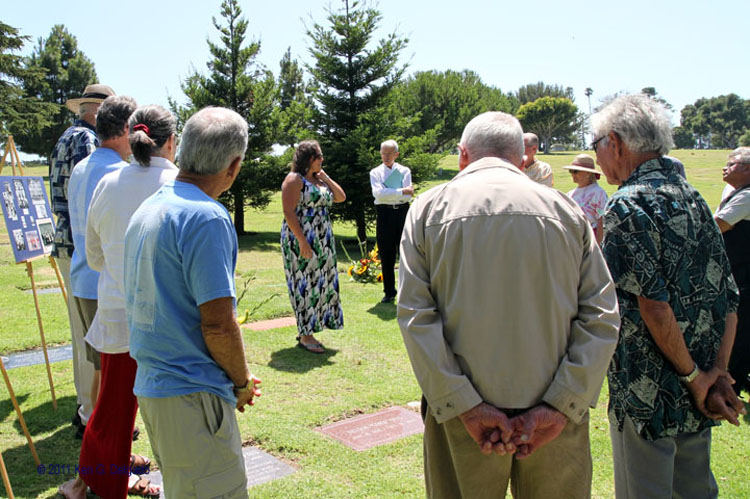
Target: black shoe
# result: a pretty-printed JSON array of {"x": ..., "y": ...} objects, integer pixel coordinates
[
  {"x": 76, "y": 421},
  {"x": 136, "y": 432},
  {"x": 388, "y": 299}
]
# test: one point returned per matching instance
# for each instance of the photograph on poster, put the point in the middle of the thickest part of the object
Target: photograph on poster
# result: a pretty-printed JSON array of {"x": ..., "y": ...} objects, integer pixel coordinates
[
  {"x": 33, "y": 241},
  {"x": 10, "y": 205},
  {"x": 18, "y": 239},
  {"x": 35, "y": 190},
  {"x": 47, "y": 231},
  {"x": 23, "y": 202},
  {"x": 41, "y": 211}
]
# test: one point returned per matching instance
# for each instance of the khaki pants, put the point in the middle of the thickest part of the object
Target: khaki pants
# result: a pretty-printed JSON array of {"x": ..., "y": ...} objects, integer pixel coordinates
[
  {"x": 455, "y": 467},
  {"x": 678, "y": 467},
  {"x": 196, "y": 441},
  {"x": 83, "y": 370}
]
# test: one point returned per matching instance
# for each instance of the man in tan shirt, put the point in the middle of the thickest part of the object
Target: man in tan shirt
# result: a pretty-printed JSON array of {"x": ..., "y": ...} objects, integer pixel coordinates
[
  {"x": 509, "y": 316},
  {"x": 538, "y": 171}
]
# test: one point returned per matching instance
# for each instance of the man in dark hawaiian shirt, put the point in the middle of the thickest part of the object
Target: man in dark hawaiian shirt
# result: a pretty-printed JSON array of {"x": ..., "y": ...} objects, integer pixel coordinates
[
  {"x": 77, "y": 142},
  {"x": 668, "y": 379}
]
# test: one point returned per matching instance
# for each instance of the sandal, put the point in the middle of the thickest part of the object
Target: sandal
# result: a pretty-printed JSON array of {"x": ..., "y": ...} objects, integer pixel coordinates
[
  {"x": 141, "y": 486},
  {"x": 139, "y": 465},
  {"x": 310, "y": 347}
]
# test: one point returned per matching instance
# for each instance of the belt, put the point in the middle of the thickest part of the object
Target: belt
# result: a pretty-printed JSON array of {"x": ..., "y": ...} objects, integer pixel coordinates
[{"x": 394, "y": 206}]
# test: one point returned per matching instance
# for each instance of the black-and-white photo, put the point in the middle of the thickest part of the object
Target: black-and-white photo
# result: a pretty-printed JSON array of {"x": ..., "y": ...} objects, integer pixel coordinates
[
  {"x": 10, "y": 205},
  {"x": 47, "y": 231},
  {"x": 18, "y": 240},
  {"x": 36, "y": 191},
  {"x": 41, "y": 210},
  {"x": 23, "y": 202}
]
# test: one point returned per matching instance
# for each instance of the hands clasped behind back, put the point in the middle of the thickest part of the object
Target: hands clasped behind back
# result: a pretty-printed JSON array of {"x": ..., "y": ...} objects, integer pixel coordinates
[{"x": 521, "y": 435}]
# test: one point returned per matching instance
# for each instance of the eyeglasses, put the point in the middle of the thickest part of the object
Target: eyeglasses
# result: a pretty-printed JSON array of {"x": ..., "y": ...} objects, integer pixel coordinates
[{"x": 595, "y": 144}]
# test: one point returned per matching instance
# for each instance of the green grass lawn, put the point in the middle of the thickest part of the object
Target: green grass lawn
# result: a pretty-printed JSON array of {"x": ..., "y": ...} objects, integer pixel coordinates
[{"x": 365, "y": 369}]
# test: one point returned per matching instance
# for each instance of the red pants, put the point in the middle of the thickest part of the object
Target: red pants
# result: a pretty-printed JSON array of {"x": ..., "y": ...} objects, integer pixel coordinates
[{"x": 105, "y": 453}]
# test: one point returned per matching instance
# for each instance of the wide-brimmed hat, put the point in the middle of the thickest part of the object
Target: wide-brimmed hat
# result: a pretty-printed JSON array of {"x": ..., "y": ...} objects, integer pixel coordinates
[
  {"x": 583, "y": 163},
  {"x": 92, "y": 93}
]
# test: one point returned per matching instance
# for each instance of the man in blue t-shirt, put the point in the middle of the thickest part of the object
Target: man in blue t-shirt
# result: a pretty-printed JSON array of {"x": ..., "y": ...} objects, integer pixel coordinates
[{"x": 180, "y": 258}]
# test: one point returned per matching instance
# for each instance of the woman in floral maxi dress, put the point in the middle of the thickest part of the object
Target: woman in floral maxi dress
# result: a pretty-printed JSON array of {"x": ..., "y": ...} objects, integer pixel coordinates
[{"x": 308, "y": 246}]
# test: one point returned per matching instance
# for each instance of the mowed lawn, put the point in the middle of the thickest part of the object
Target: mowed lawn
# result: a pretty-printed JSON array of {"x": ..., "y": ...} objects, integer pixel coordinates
[{"x": 365, "y": 369}]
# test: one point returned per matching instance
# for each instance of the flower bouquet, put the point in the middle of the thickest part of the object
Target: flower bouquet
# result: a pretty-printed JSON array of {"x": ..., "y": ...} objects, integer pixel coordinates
[{"x": 367, "y": 268}]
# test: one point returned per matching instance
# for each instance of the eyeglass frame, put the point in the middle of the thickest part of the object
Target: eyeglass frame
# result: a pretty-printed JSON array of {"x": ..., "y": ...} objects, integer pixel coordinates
[{"x": 595, "y": 144}]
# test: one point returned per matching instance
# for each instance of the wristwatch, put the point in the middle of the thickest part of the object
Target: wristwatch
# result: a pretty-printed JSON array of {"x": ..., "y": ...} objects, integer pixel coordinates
[
  {"x": 247, "y": 388},
  {"x": 690, "y": 377}
]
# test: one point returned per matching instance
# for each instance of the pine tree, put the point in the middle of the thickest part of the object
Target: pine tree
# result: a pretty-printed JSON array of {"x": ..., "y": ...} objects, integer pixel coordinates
[
  {"x": 236, "y": 81},
  {"x": 295, "y": 103},
  {"x": 353, "y": 78},
  {"x": 18, "y": 113},
  {"x": 67, "y": 71}
]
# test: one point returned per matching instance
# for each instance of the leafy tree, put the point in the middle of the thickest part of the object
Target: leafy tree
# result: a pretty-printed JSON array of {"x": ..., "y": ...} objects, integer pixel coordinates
[
  {"x": 589, "y": 92},
  {"x": 683, "y": 138},
  {"x": 717, "y": 121},
  {"x": 236, "y": 81},
  {"x": 549, "y": 118},
  {"x": 745, "y": 139},
  {"x": 533, "y": 91},
  {"x": 67, "y": 71},
  {"x": 18, "y": 113},
  {"x": 296, "y": 104},
  {"x": 442, "y": 103},
  {"x": 353, "y": 79}
]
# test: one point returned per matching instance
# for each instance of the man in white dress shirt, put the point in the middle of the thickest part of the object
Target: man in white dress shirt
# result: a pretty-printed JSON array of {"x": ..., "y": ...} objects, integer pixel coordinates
[{"x": 392, "y": 189}]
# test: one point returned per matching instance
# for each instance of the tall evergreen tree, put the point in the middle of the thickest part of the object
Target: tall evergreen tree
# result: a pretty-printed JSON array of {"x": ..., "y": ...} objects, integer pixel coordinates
[
  {"x": 353, "y": 78},
  {"x": 295, "y": 102},
  {"x": 237, "y": 81},
  {"x": 18, "y": 113},
  {"x": 67, "y": 71}
]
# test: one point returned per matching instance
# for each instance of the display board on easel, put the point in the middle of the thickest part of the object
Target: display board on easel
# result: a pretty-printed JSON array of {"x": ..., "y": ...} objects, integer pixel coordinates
[{"x": 28, "y": 219}]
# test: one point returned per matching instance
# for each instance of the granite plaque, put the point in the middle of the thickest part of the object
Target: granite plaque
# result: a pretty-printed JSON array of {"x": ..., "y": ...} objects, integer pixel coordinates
[
  {"x": 370, "y": 430},
  {"x": 260, "y": 467}
]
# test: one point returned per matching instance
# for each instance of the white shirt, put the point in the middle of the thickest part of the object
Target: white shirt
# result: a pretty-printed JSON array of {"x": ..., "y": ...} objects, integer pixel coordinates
[
  {"x": 383, "y": 194},
  {"x": 737, "y": 209},
  {"x": 115, "y": 200}
]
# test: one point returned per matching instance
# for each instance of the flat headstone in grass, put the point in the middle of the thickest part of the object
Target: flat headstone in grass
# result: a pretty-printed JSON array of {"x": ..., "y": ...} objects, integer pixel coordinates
[
  {"x": 260, "y": 467},
  {"x": 370, "y": 430},
  {"x": 43, "y": 291},
  {"x": 33, "y": 357}
]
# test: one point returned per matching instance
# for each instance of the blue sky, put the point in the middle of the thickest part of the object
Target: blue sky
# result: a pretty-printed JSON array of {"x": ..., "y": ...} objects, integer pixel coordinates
[{"x": 685, "y": 51}]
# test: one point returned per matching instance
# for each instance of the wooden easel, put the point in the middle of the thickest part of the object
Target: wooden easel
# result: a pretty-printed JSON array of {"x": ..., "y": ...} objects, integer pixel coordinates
[
  {"x": 30, "y": 271},
  {"x": 15, "y": 160}
]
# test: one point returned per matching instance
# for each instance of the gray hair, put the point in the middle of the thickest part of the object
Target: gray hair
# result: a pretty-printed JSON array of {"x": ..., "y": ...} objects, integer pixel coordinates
[
  {"x": 113, "y": 115},
  {"x": 742, "y": 154},
  {"x": 530, "y": 140},
  {"x": 212, "y": 138},
  {"x": 493, "y": 134},
  {"x": 389, "y": 144},
  {"x": 642, "y": 123}
]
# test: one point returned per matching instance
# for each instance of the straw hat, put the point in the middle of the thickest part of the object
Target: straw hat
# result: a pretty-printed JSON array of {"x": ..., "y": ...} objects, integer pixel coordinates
[
  {"x": 92, "y": 93},
  {"x": 583, "y": 163}
]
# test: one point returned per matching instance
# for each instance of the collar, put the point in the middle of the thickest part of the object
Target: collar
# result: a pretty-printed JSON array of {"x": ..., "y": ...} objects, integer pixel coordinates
[
  {"x": 107, "y": 155},
  {"x": 663, "y": 165},
  {"x": 85, "y": 124},
  {"x": 489, "y": 162}
]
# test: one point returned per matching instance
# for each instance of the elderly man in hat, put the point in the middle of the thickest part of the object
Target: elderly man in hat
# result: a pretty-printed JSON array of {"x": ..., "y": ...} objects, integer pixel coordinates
[
  {"x": 538, "y": 171},
  {"x": 733, "y": 218},
  {"x": 77, "y": 142},
  {"x": 678, "y": 304},
  {"x": 590, "y": 197}
]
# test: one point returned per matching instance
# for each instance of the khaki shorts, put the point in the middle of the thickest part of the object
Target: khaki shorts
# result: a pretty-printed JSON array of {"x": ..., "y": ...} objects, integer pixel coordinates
[{"x": 196, "y": 441}]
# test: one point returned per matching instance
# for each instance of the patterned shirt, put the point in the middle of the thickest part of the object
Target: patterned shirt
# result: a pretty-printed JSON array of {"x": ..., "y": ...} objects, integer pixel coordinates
[
  {"x": 592, "y": 199},
  {"x": 661, "y": 243},
  {"x": 77, "y": 142}
]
